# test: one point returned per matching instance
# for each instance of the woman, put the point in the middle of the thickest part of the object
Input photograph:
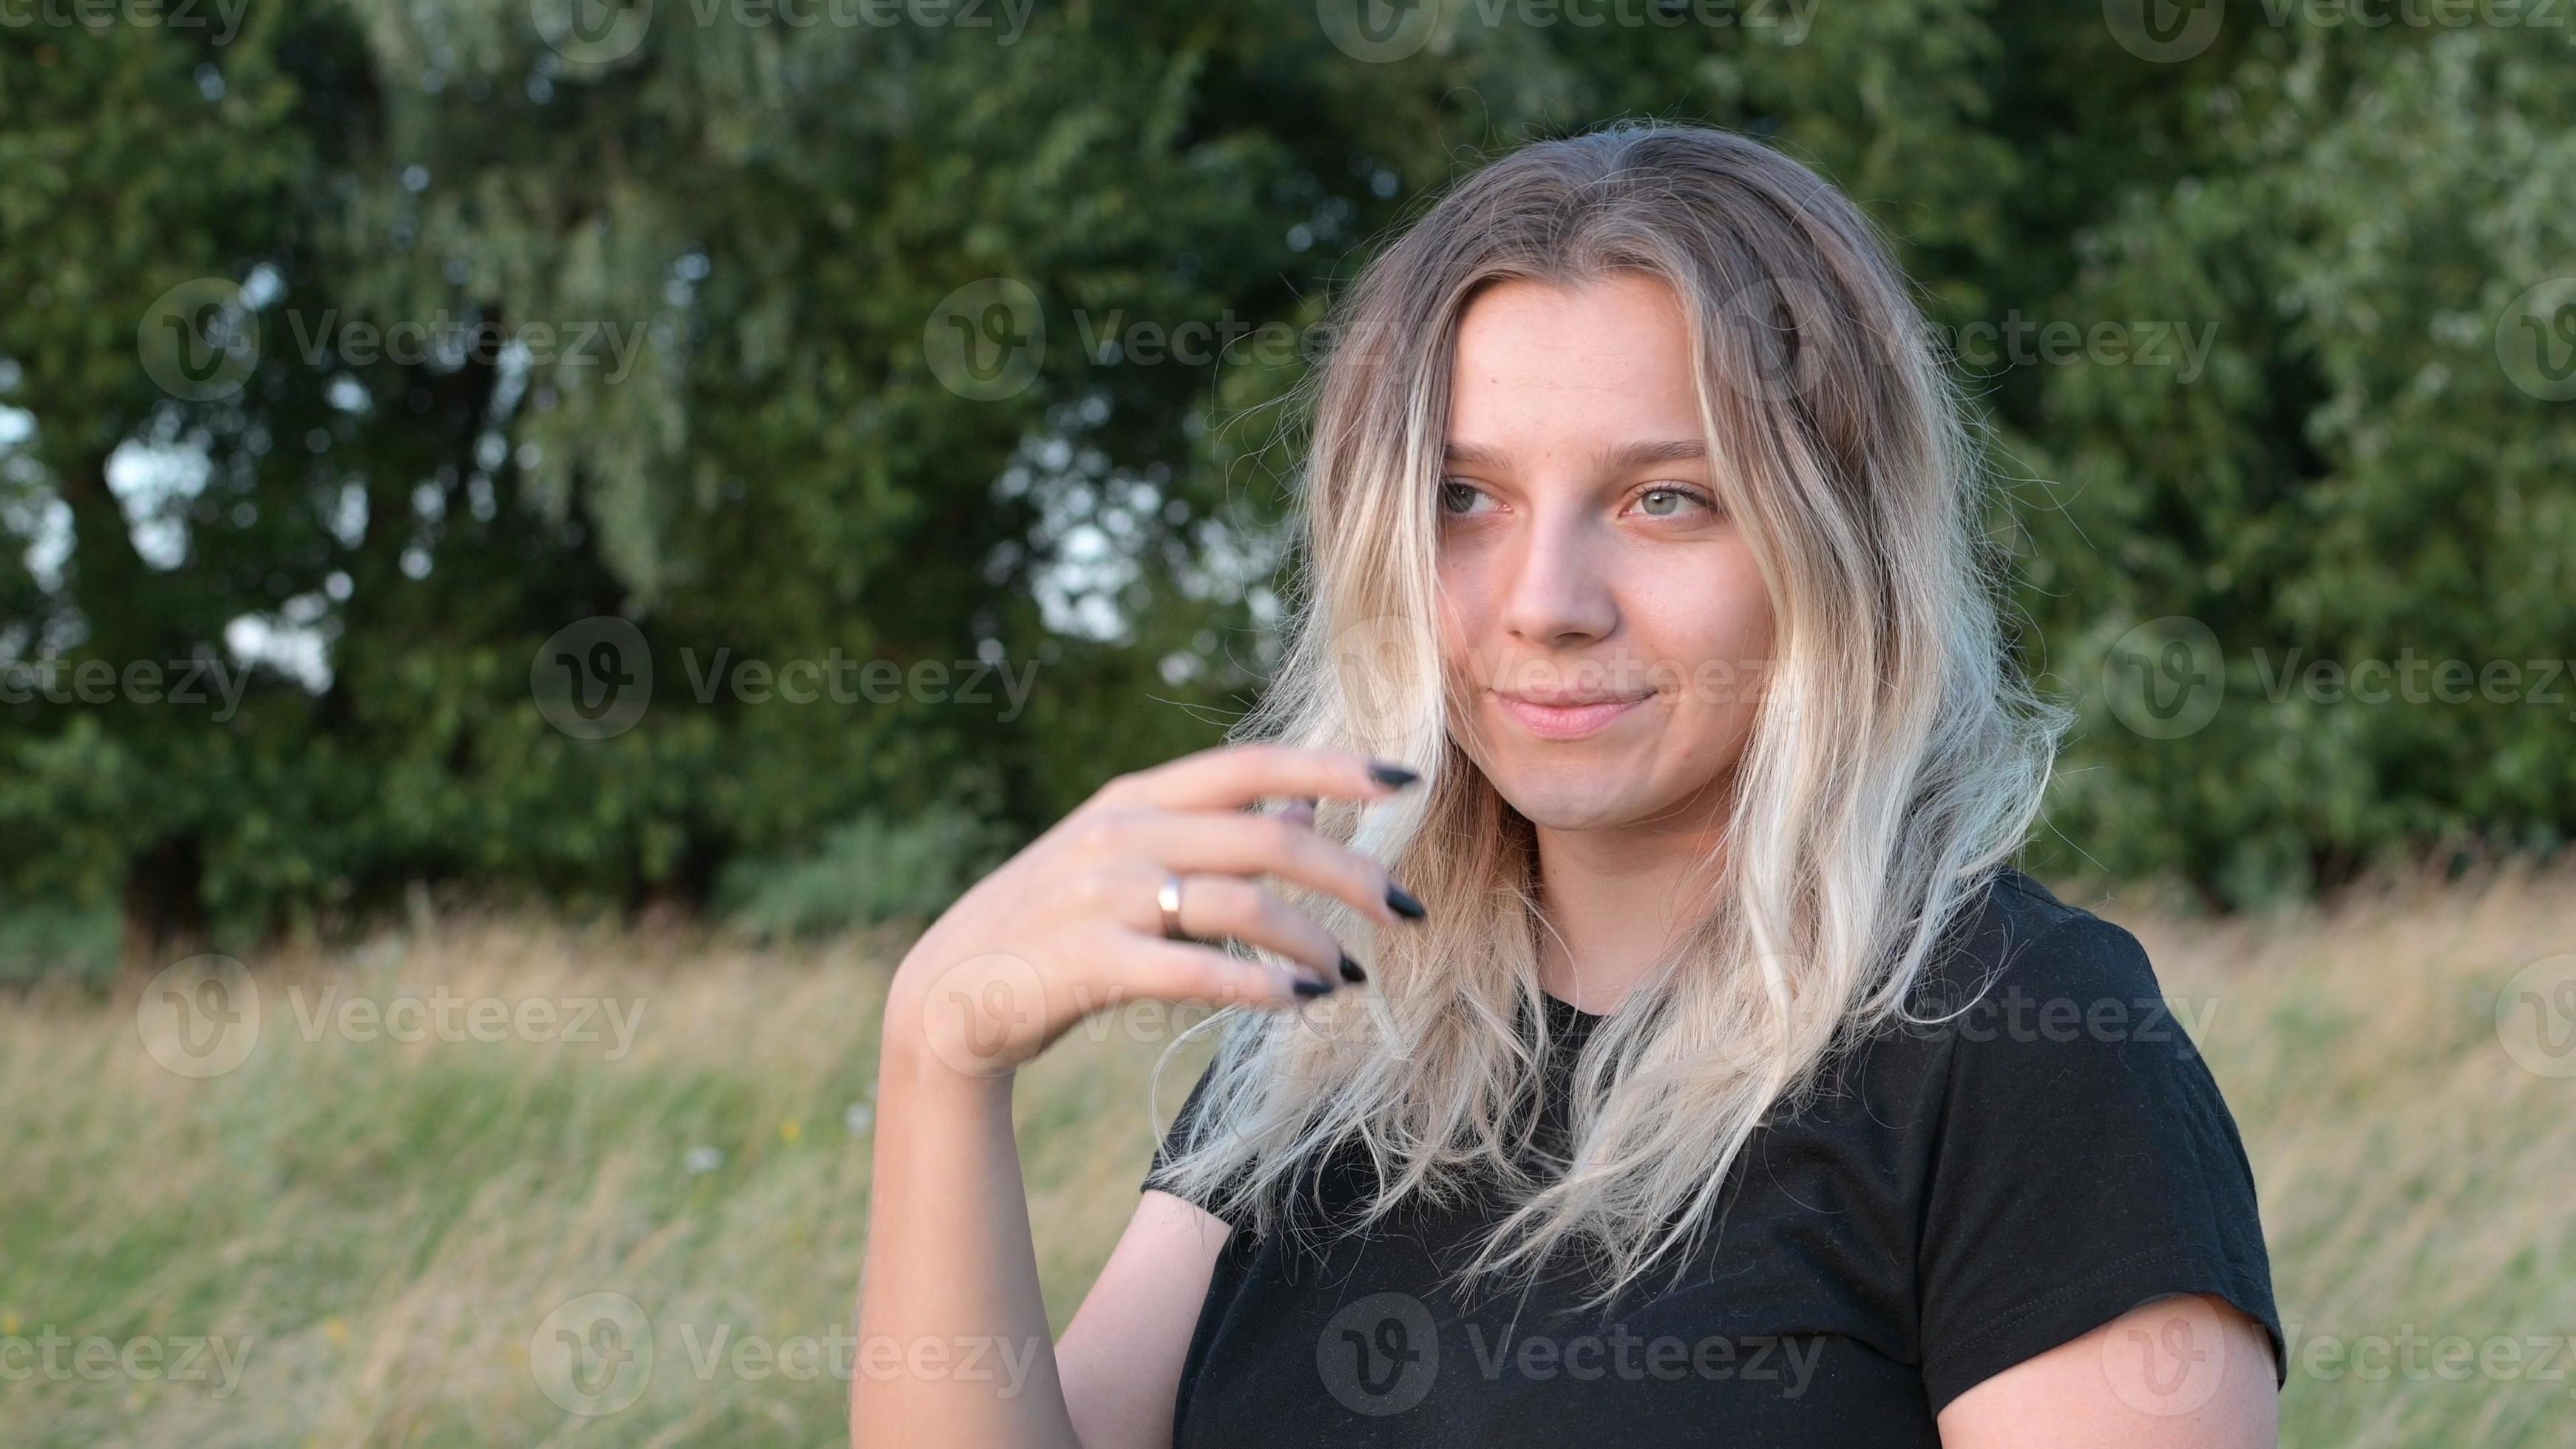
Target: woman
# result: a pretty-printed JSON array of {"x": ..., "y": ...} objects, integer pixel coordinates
[{"x": 1711, "y": 1077}]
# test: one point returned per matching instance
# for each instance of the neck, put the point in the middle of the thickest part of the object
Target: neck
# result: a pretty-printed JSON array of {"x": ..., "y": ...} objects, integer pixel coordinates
[{"x": 1613, "y": 896}]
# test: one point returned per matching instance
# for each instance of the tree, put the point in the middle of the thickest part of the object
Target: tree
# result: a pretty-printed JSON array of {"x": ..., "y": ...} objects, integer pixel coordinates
[{"x": 452, "y": 369}]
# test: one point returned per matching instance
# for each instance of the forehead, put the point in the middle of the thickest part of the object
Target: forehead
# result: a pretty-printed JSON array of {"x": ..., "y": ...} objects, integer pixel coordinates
[{"x": 1541, "y": 368}]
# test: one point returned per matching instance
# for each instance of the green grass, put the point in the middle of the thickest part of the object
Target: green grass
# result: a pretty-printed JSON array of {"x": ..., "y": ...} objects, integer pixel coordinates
[{"x": 379, "y": 1230}]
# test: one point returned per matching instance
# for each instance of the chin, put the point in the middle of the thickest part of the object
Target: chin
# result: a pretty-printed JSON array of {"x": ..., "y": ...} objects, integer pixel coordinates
[{"x": 1563, "y": 798}]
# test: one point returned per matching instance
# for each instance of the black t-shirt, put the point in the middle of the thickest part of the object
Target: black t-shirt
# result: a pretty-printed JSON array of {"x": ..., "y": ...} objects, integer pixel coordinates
[{"x": 1957, "y": 1199}]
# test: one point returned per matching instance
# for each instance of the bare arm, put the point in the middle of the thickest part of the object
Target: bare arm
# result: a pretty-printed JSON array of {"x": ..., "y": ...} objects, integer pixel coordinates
[
  {"x": 1121, "y": 1355},
  {"x": 2185, "y": 1372},
  {"x": 1111, "y": 1381},
  {"x": 953, "y": 1341},
  {"x": 951, "y": 1276}
]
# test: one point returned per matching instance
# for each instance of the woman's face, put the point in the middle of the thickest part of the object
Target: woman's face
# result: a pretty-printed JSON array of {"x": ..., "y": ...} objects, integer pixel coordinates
[{"x": 1604, "y": 627}]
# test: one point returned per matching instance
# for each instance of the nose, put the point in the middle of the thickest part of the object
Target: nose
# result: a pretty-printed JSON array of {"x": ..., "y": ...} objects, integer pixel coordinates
[{"x": 1559, "y": 594}]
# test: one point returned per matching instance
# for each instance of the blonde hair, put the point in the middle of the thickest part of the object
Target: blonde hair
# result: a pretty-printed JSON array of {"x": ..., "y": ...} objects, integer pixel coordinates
[{"x": 1896, "y": 758}]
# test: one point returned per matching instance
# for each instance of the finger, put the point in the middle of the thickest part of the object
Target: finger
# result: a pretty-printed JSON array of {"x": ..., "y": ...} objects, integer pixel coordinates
[
  {"x": 1300, "y": 811},
  {"x": 1215, "y": 907},
  {"x": 1257, "y": 844},
  {"x": 1152, "y": 968},
  {"x": 1231, "y": 777}
]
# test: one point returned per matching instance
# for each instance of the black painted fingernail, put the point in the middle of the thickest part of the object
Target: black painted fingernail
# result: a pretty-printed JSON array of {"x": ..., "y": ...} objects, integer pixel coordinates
[
  {"x": 1351, "y": 971},
  {"x": 1394, "y": 777},
  {"x": 1307, "y": 986},
  {"x": 1401, "y": 901}
]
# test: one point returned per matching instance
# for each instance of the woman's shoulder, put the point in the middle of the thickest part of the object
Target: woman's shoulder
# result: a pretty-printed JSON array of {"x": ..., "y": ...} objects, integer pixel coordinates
[
  {"x": 2081, "y": 1158},
  {"x": 2015, "y": 946},
  {"x": 2035, "y": 1007}
]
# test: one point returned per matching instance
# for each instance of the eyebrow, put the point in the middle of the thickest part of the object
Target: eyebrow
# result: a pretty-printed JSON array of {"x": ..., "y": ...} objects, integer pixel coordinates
[{"x": 1621, "y": 458}]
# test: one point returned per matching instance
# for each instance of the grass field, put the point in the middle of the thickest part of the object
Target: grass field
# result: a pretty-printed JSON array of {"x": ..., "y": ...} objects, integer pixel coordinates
[{"x": 352, "y": 1239}]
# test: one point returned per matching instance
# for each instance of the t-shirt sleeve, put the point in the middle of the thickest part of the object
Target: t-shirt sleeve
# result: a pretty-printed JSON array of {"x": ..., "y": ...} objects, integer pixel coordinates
[{"x": 2086, "y": 1164}]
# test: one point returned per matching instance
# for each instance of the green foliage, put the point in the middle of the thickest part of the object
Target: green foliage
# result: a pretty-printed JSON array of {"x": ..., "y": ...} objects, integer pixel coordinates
[
  {"x": 47, "y": 940},
  {"x": 2357, "y": 478},
  {"x": 865, "y": 873},
  {"x": 754, "y": 458}
]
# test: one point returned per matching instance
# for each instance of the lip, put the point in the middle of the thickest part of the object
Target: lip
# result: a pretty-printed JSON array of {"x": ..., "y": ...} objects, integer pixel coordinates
[{"x": 1567, "y": 721}]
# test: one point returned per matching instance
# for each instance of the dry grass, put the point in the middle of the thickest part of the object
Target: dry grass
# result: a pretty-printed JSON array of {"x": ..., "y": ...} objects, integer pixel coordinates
[
  {"x": 379, "y": 1230},
  {"x": 2415, "y": 1178}
]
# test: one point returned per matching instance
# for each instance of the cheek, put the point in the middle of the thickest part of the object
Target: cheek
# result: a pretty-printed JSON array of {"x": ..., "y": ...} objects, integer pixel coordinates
[
  {"x": 1742, "y": 616},
  {"x": 1745, "y": 624},
  {"x": 1705, "y": 616},
  {"x": 1466, "y": 604},
  {"x": 1457, "y": 625},
  {"x": 1713, "y": 641}
]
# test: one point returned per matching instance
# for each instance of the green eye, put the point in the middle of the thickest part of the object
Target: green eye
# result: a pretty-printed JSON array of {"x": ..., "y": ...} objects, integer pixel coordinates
[
  {"x": 1457, "y": 497},
  {"x": 1667, "y": 501}
]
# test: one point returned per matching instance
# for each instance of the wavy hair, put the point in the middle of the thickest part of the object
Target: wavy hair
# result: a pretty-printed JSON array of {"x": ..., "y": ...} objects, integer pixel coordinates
[{"x": 1896, "y": 760}]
